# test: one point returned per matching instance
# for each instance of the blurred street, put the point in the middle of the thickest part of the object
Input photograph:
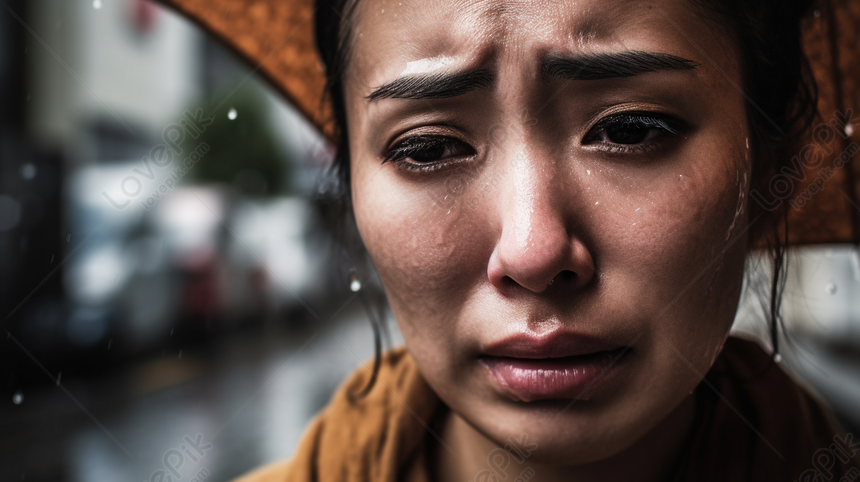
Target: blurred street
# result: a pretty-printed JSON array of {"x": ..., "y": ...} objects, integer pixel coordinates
[{"x": 250, "y": 394}]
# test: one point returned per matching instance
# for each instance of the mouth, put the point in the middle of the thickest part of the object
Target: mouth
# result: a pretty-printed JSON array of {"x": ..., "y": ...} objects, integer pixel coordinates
[{"x": 527, "y": 368}]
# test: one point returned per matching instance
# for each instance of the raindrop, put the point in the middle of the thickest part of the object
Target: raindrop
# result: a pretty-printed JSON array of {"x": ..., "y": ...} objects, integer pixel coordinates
[
  {"x": 18, "y": 398},
  {"x": 777, "y": 358},
  {"x": 354, "y": 283},
  {"x": 59, "y": 377},
  {"x": 831, "y": 288},
  {"x": 171, "y": 332},
  {"x": 110, "y": 342},
  {"x": 68, "y": 237},
  {"x": 97, "y": 4},
  {"x": 232, "y": 114},
  {"x": 180, "y": 353},
  {"x": 28, "y": 170}
]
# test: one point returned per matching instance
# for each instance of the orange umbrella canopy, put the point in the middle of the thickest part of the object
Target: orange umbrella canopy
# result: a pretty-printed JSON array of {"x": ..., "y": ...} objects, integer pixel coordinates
[{"x": 277, "y": 38}]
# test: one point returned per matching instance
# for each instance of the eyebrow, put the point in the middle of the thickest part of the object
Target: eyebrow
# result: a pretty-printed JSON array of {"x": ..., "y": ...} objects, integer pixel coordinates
[
  {"x": 581, "y": 67},
  {"x": 613, "y": 65},
  {"x": 434, "y": 86}
]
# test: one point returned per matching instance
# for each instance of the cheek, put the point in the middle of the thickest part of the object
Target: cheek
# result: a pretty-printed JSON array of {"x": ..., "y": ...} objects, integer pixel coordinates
[
  {"x": 427, "y": 251},
  {"x": 683, "y": 260}
]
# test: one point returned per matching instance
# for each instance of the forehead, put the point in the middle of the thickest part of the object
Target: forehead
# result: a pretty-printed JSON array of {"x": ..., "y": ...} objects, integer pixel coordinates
[{"x": 388, "y": 35}]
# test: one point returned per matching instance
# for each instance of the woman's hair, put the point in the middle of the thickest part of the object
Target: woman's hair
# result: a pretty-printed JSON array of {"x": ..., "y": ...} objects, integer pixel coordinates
[{"x": 781, "y": 104}]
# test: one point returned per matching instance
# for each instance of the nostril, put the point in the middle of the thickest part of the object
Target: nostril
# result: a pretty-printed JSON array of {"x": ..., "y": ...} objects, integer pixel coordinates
[
  {"x": 508, "y": 281},
  {"x": 564, "y": 277}
]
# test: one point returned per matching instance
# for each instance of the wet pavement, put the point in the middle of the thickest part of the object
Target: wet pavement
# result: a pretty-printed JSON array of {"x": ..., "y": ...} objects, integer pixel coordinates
[{"x": 249, "y": 395}]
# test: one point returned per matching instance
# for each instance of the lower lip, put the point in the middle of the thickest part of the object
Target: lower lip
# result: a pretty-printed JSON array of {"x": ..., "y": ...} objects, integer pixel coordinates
[{"x": 527, "y": 380}]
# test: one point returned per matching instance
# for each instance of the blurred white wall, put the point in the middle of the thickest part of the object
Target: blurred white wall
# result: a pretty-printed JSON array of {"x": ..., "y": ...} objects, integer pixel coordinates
[{"x": 126, "y": 59}]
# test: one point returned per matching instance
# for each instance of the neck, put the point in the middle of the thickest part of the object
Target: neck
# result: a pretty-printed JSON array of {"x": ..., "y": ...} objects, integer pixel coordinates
[{"x": 651, "y": 458}]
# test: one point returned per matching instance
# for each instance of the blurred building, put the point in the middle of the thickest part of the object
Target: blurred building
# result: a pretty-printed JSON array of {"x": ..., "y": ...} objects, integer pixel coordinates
[{"x": 133, "y": 144}]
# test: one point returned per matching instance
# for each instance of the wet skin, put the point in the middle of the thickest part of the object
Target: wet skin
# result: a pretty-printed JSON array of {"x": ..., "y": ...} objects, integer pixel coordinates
[{"x": 530, "y": 191}]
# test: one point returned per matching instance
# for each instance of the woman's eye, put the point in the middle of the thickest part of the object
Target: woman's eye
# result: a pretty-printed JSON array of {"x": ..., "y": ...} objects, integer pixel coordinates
[
  {"x": 630, "y": 132},
  {"x": 424, "y": 151}
]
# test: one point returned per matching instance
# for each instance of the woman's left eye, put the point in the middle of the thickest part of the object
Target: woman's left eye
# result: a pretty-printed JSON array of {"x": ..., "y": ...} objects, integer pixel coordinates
[
  {"x": 427, "y": 151},
  {"x": 629, "y": 133}
]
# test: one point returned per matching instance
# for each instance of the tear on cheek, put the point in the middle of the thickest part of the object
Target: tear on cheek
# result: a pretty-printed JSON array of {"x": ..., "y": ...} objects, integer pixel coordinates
[{"x": 739, "y": 209}]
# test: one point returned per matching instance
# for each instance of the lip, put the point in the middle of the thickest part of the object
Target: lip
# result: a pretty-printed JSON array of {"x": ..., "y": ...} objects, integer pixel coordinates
[{"x": 557, "y": 365}]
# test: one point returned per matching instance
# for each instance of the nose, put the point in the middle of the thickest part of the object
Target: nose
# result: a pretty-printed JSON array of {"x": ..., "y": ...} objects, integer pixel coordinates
[{"x": 537, "y": 248}]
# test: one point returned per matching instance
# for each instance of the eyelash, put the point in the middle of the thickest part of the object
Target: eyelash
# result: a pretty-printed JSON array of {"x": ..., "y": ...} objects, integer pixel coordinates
[
  {"x": 403, "y": 153},
  {"x": 638, "y": 121}
]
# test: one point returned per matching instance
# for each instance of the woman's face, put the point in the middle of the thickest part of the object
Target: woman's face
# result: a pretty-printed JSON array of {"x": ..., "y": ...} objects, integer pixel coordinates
[{"x": 554, "y": 195}]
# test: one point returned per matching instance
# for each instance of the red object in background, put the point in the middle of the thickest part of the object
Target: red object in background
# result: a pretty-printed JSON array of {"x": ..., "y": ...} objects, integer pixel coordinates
[
  {"x": 202, "y": 293},
  {"x": 143, "y": 15}
]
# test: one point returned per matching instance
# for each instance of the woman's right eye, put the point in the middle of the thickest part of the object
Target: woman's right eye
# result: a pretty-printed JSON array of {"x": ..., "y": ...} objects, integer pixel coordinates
[{"x": 427, "y": 152}]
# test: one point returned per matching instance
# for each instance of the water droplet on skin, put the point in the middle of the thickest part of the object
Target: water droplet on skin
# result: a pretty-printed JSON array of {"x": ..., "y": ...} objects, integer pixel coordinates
[
  {"x": 232, "y": 114},
  {"x": 588, "y": 171},
  {"x": 831, "y": 288},
  {"x": 596, "y": 203},
  {"x": 97, "y": 4},
  {"x": 777, "y": 358},
  {"x": 354, "y": 283},
  {"x": 849, "y": 129},
  {"x": 18, "y": 398}
]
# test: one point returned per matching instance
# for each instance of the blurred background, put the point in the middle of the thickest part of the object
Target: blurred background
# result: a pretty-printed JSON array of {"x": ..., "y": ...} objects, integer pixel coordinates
[{"x": 164, "y": 268}]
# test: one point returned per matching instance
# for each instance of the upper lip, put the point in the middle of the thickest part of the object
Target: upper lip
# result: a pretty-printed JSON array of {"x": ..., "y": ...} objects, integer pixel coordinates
[{"x": 554, "y": 344}]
